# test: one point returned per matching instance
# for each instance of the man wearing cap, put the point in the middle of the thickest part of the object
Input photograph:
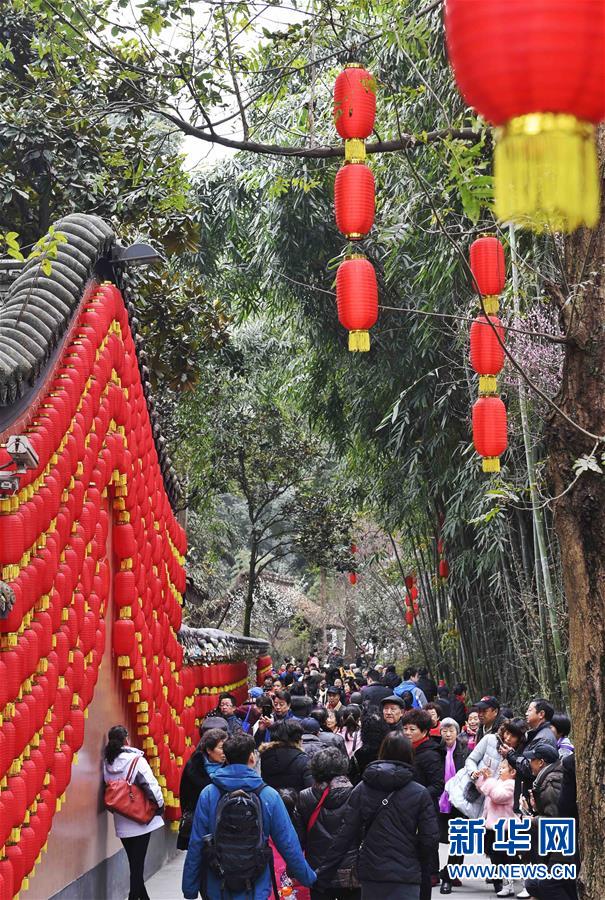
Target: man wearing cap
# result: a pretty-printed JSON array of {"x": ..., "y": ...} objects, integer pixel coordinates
[
  {"x": 547, "y": 772},
  {"x": 311, "y": 744},
  {"x": 393, "y": 709},
  {"x": 490, "y": 717},
  {"x": 334, "y": 701}
]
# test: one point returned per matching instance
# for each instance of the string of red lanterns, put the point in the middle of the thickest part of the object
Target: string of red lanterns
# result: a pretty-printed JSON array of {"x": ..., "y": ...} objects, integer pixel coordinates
[
  {"x": 355, "y": 203},
  {"x": 486, "y": 352},
  {"x": 537, "y": 72}
]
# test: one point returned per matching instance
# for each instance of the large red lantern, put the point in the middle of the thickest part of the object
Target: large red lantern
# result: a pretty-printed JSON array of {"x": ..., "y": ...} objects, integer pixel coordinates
[
  {"x": 354, "y": 200},
  {"x": 487, "y": 352},
  {"x": 357, "y": 300},
  {"x": 355, "y": 106},
  {"x": 489, "y": 270},
  {"x": 537, "y": 71},
  {"x": 489, "y": 431}
]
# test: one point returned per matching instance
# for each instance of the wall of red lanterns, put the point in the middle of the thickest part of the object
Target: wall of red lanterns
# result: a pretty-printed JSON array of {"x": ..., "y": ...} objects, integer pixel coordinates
[{"x": 97, "y": 491}]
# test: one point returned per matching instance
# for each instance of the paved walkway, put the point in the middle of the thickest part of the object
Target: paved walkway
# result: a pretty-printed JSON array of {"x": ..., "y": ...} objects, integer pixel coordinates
[{"x": 166, "y": 884}]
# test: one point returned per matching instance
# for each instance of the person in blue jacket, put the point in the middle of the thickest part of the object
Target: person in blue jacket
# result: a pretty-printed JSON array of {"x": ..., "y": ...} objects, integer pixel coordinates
[
  {"x": 411, "y": 677},
  {"x": 237, "y": 774}
]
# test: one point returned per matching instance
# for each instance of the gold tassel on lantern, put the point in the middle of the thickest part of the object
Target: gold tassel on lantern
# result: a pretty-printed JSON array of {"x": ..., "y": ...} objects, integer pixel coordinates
[
  {"x": 546, "y": 172},
  {"x": 491, "y": 464},
  {"x": 359, "y": 341}
]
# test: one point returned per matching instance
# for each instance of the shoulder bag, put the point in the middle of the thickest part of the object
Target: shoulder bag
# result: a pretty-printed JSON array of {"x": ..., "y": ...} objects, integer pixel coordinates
[{"x": 128, "y": 799}]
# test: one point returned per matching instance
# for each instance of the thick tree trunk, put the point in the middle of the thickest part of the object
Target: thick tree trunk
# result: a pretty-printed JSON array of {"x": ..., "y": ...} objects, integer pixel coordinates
[{"x": 579, "y": 516}]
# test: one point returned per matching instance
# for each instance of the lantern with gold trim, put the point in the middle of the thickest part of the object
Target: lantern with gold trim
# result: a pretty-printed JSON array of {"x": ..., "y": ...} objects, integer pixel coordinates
[
  {"x": 537, "y": 72},
  {"x": 357, "y": 299}
]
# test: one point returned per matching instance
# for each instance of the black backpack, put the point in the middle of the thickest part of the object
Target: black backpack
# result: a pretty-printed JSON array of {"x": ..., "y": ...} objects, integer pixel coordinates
[{"x": 237, "y": 851}]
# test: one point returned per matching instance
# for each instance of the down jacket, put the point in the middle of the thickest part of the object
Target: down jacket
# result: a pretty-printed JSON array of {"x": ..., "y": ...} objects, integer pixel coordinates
[
  {"x": 330, "y": 819},
  {"x": 145, "y": 779},
  {"x": 484, "y": 756},
  {"x": 429, "y": 769},
  {"x": 284, "y": 766},
  {"x": 400, "y": 840}
]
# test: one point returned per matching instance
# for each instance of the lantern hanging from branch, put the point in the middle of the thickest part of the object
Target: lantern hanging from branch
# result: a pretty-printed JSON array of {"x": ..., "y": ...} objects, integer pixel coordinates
[
  {"x": 354, "y": 200},
  {"x": 537, "y": 72},
  {"x": 489, "y": 270},
  {"x": 354, "y": 109},
  {"x": 357, "y": 300},
  {"x": 489, "y": 431}
]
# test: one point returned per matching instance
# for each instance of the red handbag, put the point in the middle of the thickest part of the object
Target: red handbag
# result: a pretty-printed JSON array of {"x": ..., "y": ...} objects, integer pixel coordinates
[{"x": 127, "y": 799}]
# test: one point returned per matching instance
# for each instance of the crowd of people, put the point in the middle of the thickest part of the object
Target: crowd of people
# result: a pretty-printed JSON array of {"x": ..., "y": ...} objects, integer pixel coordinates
[{"x": 339, "y": 783}]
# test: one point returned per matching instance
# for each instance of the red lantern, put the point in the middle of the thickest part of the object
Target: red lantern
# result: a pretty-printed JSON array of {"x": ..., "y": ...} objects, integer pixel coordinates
[
  {"x": 357, "y": 300},
  {"x": 409, "y": 618},
  {"x": 487, "y": 353},
  {"x": 537, "y": 70},
  {"x": 489, "y": 431},
  {"x": 354, "y": 200},
  {"x": 353, "y": 577},
  {"x": 123, "y": 638},
  {"x": 444, "y": 569},
  {"x": 354, "y": 102},
  {"x": 489, "y": 270}
]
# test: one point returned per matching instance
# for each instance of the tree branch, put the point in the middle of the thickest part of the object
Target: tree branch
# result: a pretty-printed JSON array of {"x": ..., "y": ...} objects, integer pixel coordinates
[{"x": 404, "y": 142}]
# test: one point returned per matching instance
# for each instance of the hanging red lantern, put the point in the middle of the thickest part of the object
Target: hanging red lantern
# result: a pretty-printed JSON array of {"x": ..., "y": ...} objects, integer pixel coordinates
[
  {"x": 487, "y": 352},
  {"x": 489, "y": 431},
  {"x": 353, "y": 577},
  {"x": 536, "y": 70},
  {"x": 444, "y": 569},
  {"x": 357, "y": 300},
  {"x": 488, "y": 266},
  {"x": 354, "y": 102},
  {"x": 354, "y": 200},
  {"x": 409, "y": 618}
]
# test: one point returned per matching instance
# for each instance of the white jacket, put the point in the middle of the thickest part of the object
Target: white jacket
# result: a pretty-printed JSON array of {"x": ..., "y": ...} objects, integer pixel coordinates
[
  {"x": 484, "y": 756},
  {"x": 145, "y": 779}
]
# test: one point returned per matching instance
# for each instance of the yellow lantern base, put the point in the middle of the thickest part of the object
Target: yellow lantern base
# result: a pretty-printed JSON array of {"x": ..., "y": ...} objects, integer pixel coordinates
[
  {"x": 359, "y": 341},
  {"x": 488, "y": 385},
  {"x": 491, "y": 463},
  {"x": 355, "y": 150},
  {"x": 491, "y": 305},
  {"x": 546, "y": 173}
]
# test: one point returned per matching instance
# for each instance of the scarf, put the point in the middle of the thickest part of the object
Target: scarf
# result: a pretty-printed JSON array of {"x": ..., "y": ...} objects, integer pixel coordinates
[{"x": 450, "y": 770}]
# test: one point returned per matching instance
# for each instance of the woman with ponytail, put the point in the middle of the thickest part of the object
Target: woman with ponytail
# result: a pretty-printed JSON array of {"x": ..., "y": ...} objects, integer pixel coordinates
[
  {"x": 118, "y": 757},
  {"x": 349, "y": 728}
]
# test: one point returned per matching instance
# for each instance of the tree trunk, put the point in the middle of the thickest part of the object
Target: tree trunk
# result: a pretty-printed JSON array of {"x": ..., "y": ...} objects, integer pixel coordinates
[
  {"x": 579, "y": 516},
  {"x": 252, "y": 576}
]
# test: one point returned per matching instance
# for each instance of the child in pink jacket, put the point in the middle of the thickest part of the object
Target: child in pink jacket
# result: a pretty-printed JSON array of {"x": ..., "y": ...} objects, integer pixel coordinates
[{"x": 499, "y": 793}]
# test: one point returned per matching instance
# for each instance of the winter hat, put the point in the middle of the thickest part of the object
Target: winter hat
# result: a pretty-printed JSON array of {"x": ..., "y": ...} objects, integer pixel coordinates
[
  {"x": 256, "y": 692},
  {"x": 449, "y": 721},
  {"x": 310, "y": 726}
]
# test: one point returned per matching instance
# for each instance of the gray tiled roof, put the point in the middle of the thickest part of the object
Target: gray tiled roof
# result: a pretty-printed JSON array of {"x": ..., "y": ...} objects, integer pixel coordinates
[{"x": 37, "y": 309}]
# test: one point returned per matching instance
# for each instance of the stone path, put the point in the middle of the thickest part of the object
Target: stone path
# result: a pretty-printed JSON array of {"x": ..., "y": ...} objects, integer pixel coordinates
[{"x": 166, "y": 884}]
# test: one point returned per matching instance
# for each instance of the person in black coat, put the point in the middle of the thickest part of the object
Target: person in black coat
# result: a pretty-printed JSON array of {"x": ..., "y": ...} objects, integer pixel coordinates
[
  {"x": 429, "y": 772},
  {"x": 374, "y": 691},
  {"x": 394, "y": 820},
  {"x": 331, "y": 789},
  {"x": 207, "y": 758},
  {"x": 283, "y": 764},
  {"x": 428, "y": 760}
]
